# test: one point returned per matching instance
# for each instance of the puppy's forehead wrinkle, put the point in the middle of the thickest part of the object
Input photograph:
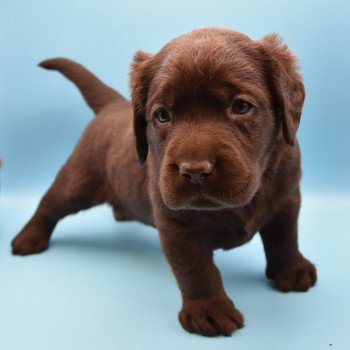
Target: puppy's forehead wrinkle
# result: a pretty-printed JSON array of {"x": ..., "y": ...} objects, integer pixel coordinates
[{"x": 207, "y": 128}]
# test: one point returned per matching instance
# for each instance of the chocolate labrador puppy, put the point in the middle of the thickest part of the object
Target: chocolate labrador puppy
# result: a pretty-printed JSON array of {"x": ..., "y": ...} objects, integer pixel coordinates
[{"x": 214, "y": 116}]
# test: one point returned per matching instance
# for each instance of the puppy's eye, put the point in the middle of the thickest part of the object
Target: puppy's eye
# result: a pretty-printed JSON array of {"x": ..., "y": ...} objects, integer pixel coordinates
[
  {"x": 241, "y": 107},
  {"x": 162, "y": 115}
]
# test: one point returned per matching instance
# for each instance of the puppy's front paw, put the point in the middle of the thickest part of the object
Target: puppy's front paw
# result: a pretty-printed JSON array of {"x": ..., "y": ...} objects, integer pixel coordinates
[
  {"x": 298, "y": 275},
  {"x": 210, "y": 317},
  {"x": 29, "y": 241}
]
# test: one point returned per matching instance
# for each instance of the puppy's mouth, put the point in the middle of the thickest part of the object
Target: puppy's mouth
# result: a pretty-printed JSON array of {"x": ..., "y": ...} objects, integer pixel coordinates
[
  {"x": 198, "y": 200},
  {"x": 205, "y": 203}
]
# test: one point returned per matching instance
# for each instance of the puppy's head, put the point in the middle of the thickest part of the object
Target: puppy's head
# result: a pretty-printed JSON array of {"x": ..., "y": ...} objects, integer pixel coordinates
[{"x": 209, "y": 106}]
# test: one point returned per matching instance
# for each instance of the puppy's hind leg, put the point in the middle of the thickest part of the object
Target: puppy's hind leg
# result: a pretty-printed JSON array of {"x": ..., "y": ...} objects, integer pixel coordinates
[{"x": 75, "y": 188}]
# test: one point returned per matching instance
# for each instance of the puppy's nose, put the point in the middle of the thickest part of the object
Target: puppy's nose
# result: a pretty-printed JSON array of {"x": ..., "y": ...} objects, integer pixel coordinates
[{"x": 196, "y": 172}]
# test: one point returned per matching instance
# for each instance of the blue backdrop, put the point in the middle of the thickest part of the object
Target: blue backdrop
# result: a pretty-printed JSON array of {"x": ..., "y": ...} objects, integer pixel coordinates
[{"x": 42, "y": 115}]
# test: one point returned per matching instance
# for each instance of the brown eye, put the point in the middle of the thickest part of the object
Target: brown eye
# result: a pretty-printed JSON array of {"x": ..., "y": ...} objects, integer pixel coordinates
[
  {"x": 241, "y": 107},
  {"x": 162, "y": 115}
]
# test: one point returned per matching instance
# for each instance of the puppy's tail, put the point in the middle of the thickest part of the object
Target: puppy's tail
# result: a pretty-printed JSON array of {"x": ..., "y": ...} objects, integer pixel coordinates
[{"x": 95, "y": 92}]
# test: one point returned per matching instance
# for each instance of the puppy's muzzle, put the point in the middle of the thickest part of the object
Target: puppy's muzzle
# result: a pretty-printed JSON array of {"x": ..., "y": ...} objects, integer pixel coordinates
[{"x": 196, "y": 172}]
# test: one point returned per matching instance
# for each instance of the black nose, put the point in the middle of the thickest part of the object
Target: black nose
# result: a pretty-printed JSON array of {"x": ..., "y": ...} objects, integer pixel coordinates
[{"x": 196, "y": 172}]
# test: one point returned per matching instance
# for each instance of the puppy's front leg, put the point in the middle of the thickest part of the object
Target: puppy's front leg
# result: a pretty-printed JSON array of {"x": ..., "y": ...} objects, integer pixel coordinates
[
  {"x": 206, "y": 309},
  {"x": 285, "y": 264}
]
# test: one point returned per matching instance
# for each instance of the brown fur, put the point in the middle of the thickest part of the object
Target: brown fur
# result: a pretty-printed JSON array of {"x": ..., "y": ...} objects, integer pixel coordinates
[{"x": 212, "y": 179}]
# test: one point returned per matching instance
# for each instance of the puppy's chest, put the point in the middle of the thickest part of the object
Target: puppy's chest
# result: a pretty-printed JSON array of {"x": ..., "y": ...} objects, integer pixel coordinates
[
  {"x": 228, "y": 238},
  {"x": 229, "y": 232}
]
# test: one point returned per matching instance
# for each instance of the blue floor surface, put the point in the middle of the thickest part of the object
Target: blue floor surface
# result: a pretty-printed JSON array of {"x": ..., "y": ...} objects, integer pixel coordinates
[{"x": 106, "y": 285}]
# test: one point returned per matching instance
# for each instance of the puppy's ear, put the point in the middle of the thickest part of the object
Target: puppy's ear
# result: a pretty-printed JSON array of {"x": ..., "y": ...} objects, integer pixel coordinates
[
  {"x": 285, "y": 82},
  {"x": 141, "y": 74}
]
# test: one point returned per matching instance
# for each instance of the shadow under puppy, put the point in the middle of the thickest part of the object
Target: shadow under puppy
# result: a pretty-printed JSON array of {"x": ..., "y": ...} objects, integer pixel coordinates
[{"x": 215, "y": 115}]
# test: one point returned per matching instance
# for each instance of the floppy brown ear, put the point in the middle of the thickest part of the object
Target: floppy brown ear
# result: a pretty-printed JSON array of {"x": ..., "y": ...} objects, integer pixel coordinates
[
  {"x": 140, "y": 77},
  {"x": 286, "y": 84}
]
